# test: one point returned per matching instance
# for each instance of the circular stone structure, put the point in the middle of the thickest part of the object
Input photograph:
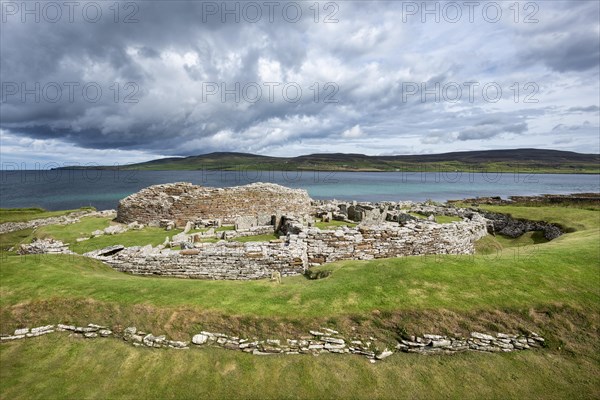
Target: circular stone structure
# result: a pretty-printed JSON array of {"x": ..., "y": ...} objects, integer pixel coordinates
[{"x": 183, "y": 202}]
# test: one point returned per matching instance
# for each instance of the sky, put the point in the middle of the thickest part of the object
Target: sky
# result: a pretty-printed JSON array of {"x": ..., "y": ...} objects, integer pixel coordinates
[{"x": 86, "y": 83}]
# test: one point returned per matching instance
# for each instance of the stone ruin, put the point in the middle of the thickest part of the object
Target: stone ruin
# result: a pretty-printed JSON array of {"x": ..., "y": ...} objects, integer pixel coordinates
[
  {"x": 257, "y": 204},
  {"x": 364, "y": 231},
  {"x": 300, "y": 248},
  {"x": 373, "y": 231}
]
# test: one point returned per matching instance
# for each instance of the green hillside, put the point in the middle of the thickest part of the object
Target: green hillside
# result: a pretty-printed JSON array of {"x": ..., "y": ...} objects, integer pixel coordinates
[{"x": 518, "y": 160}]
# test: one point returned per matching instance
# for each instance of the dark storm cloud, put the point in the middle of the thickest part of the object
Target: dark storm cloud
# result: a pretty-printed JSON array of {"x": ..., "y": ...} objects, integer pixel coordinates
[
  {"x": 566, "y": 38},
  {"x": 153, "y": 76}
]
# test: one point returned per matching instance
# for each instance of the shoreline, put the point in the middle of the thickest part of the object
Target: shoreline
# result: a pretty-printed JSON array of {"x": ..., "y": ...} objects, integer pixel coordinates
[{"x": 426, "y": 170}]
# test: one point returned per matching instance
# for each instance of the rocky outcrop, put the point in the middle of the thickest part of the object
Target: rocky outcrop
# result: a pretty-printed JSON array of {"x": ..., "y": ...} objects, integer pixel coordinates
[
  {"x": 261, "y": 203},
  {"x": 512, "y": 227}
]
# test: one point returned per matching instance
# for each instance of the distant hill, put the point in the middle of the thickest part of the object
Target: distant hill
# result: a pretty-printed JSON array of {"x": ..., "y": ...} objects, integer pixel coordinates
[{"x": 522, "y": 160}]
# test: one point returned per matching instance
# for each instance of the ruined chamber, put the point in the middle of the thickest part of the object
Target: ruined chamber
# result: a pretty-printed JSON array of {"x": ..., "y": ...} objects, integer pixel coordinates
[{"x": 259, "y": 203}]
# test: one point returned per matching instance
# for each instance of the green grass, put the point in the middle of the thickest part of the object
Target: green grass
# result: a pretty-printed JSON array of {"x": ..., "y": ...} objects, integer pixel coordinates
[
  {"x": 57, "y": 367},
  {"x": 28, "y": 214},
  {"x": 446, "y": 219},
  {"x": 570, "y": 218},
  {"x": 318, "y": 163},
  {"x": 256, "y": 238},
  {"x": 84, "y": 228},
  {"x": 520, "y": 284},
  {"x": 563, "y": 271},
  {"x": 142, "y": 237},
  {"x": 440, "y": 219},
  {"x": 493, "y": 244},
  {"x": 333, "y": 224},
  {"x": 12, "y": 239}
]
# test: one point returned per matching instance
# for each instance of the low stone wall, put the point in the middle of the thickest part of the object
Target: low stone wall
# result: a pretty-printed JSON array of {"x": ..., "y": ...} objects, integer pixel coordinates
[
  {"x": 222, "y": 260},
  {"x": 503, "y": 224},
  {"x": 301, "y": 248},
  {"x": 387, "y": 240},
  {"x": 44, "y": 246},
  {"x": 183, "y": 202},
  {"x": 317, "y": 342},
  {"x": 62, "y": 220}
]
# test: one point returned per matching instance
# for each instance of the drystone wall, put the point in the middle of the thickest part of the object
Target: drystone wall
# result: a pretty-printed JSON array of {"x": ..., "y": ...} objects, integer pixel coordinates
[
  {"x": 324, "y": 340},
  {"x": 299, "y": 249},
  {"x": 222, "y": 260},
  {"x": 388, "y": 240},
  {"x": 183, "y": 202}
]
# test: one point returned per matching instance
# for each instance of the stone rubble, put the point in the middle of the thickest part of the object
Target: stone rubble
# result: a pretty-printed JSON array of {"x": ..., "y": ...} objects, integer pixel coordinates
[
  {"x": 435, "y": 344},
  {"x": 329, "y": 341},
  {"x": 61, "y": 220},
  {"x": 44, "y": 246},
  {"x": 505, "y": 225}
]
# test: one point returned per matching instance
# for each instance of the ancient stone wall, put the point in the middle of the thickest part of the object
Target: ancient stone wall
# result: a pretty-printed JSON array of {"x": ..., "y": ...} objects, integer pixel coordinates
[
  {"x": 222, "y": 260},
  {"x": 183, "y": 202},
  {"x": 300, "y": 248},
  {"x": 387, "y": 241},
  {"x": 325, "y": 340}
]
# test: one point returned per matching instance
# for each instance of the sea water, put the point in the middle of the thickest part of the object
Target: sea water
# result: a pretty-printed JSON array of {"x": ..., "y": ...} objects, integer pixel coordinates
[{"x": 66, "y": 189}]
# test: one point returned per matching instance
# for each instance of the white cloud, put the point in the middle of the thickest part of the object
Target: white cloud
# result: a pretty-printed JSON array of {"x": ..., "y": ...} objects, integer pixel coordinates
[{"x": 353, "y": 132}]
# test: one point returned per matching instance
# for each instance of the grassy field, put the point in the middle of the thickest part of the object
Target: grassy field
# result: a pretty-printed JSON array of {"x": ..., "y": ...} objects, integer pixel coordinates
[
  {"x": 507, "y": 161},
  {"x": 84, "y": 228},
  {"x": 525, "y": 284},
  {"x": 107, "y": 369},
  {"x": 28, "y": 214}
]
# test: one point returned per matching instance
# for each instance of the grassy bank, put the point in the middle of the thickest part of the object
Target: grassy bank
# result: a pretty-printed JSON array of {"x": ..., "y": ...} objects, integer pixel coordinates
[
  {"x": 519, "y": 277},
  {"x": 523, "y": 284}
]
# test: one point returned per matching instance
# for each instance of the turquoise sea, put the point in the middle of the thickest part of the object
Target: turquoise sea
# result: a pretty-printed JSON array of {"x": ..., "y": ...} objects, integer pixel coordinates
[{"x": 65, "y": 189}]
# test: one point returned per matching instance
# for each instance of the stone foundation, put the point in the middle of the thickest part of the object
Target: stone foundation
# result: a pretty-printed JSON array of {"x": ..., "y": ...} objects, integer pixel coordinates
[
  {"x": 300, "y": 248},
  {"x": 388, "y": 240},
  {"x": 222, "y": 260},
  {"x": 317, "y": 342}
]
